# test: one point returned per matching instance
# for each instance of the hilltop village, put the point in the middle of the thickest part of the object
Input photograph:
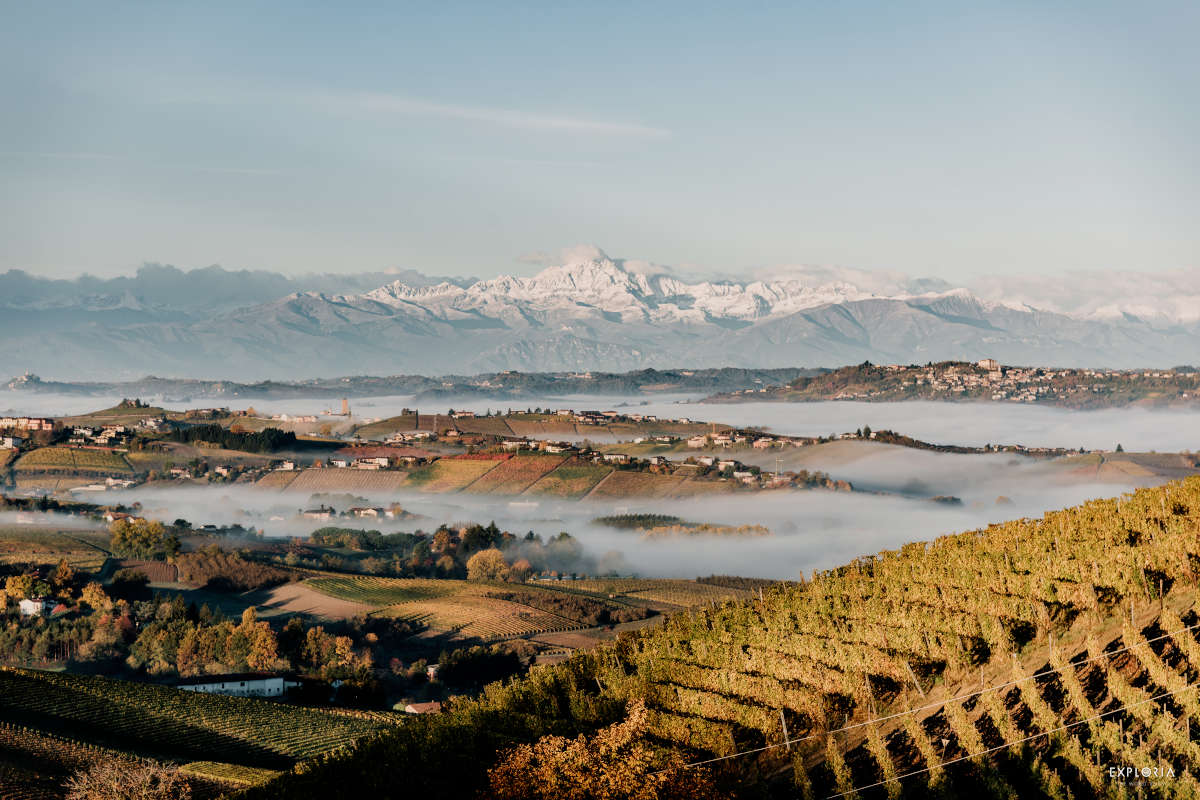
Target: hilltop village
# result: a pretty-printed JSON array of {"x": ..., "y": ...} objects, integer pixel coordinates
[{"x": 987, "y": 380}]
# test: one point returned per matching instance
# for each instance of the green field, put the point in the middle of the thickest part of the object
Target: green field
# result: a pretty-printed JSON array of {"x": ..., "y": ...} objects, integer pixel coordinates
[
  {"x": 73, "y": 460},
  {"x": 168, "y": 724}
]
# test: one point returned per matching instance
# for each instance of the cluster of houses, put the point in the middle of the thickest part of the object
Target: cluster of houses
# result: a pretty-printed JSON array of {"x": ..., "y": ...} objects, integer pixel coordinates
[
  {"x": 103, "y": 436},
  {"x": 326, "y": 513},
  {"x": 26, "y": 423}
]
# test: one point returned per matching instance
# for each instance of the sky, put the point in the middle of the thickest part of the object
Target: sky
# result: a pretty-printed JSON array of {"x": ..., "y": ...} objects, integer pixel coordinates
[{"x": 956, "y": 140}]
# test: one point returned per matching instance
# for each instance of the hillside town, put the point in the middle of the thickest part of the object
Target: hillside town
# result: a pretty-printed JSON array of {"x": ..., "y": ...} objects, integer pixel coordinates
[{"x": 987, "y": 380}]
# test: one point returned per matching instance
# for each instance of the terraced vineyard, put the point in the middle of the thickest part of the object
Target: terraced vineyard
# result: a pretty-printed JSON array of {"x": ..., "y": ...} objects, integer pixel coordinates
[
  {"x": 73, "y": 460},
  {"x": 168, "y": 724},
  {"x": 1087, "y": 611}
]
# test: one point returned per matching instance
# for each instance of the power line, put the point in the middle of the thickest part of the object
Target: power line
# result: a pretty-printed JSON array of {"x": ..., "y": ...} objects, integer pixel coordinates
[
  {"x": 1029, "y": 738},
  {"x": 787, "y": 742}
]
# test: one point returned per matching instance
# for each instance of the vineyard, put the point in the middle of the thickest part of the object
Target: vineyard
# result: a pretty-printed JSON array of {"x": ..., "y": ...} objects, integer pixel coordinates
[
  {"x": 515, "y": 475},
  {"x": 449, "y": 474},
  {"x": 345, "y": 480},
  {"x": 571, "y": 480},
  {"x": 73, "y": 460},
  {"x": 635, "y": 484},
  {"x": 27, "y": 543},
  {"x": 171, "y": 725},
  {"x": 661, "y": 591},
  {"x": 1075, "y": 635}
]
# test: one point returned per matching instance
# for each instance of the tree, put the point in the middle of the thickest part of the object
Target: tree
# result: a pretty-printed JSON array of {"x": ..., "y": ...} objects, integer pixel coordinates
[
  {"x": 521, "y": 570},
  {"x": 615, "y": 763},
  {"x": 139, "y": 538},
  {"x": 19, "y": 587},
  {"x": 63, "y": 578},
  {"x": 487, "y": 565},
  {"x": 112, "y": 779},
  {"x": 1119, "y": 448},
  {"x": 93, "y": 595}
]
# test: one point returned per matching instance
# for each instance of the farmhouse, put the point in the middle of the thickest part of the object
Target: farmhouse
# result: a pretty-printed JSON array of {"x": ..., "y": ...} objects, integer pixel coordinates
[
  {"x": 245, "y": 684},
  {"x": 363, "y": 512},
  {"x": 697, "y": 442},
  {"x": 10, "y": 442},
  {"x": 37, "y": 606}
]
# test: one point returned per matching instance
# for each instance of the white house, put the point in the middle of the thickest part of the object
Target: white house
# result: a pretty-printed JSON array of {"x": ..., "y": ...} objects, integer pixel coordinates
[
  {"x": 37, "y": 606},
  {"x": 250, "y": 684},
  {"x": 10, "y": 442}
]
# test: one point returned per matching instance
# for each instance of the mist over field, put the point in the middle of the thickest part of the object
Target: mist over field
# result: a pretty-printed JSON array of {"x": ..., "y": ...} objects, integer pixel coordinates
[
  {"x": 810, "y": 529},
  {"x": 814, "y": 529}
]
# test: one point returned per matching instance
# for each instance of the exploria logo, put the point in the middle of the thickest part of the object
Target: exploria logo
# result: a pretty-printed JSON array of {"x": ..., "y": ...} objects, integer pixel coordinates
[{"x": 1129, "y": 772}]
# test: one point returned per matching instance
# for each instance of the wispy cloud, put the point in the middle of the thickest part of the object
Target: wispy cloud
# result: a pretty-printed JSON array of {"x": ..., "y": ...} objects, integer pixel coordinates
[
  {"x": 85, "y": 156},
  {"x": 384, "y": 103}
]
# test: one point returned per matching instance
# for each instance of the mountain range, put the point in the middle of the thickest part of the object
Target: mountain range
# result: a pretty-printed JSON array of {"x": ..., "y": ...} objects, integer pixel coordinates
[{"x": 590, "y": 312}]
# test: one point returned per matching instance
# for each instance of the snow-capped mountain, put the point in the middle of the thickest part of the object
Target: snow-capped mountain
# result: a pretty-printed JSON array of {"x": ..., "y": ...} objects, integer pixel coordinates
[
  {"x": 593, "y": 284},
  {"x": 590, "y": 312}
]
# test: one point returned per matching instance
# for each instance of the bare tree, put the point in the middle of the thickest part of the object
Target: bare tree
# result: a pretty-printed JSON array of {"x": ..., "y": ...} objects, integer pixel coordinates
[{"x": 123, "y": 780}]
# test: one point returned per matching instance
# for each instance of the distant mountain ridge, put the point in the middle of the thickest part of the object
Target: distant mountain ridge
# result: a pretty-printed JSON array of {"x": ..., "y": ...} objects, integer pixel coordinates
[{"x": 592, "y": 312}]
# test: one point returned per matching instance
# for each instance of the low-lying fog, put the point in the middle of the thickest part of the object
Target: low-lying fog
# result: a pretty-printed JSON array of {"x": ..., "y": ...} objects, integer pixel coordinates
[
  {"x": 944, "y": 423},
  {"x": 811, "y": 529}
]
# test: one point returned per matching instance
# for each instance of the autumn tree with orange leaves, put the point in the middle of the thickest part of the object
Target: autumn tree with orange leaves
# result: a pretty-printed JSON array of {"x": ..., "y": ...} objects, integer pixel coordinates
[{"x": 615, "y": 764}]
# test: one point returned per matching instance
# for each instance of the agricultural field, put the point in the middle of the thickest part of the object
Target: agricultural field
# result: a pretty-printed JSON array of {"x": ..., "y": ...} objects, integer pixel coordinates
[
  {"x": 495, "y": 426},
  {"x": 345, "y": 480},
  {"x": 541, "y": 426},
  {"x": 50, "y": 483},
  {"x": 172, "y": 725},
  {"x": 83, "y": 549},
  {"x": 452, "y": 606},
  {"x": 516, "y": 475},
  {"x": 573, "y": 479},
  {"x": 177, "y": 454},
  {"x": 117, "y": 415},
  {"x": 622, "y": 484},
  {"x": 73, "y": 460},
  {"x": 278, "y": 480},
  {"x": 386, "y": 427},
  {"x": 660, "y": 591},
  {"x": 7, "y": 456},
  {"x": 449, "y": 474}
]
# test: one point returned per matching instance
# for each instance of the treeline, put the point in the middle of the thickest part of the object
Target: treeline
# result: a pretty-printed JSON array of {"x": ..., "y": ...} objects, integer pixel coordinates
[
  {"x": 268, "y": 440},
  {"x": 359, "y": 539},
  {"x": 222, "y": 571},
  {"x": 638, "y": 521},
  {"x": 581, "y": 609}
]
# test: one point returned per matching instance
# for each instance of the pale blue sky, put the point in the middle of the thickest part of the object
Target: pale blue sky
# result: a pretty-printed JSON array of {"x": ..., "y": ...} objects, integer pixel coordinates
[{"x": 949, "y": 139}]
